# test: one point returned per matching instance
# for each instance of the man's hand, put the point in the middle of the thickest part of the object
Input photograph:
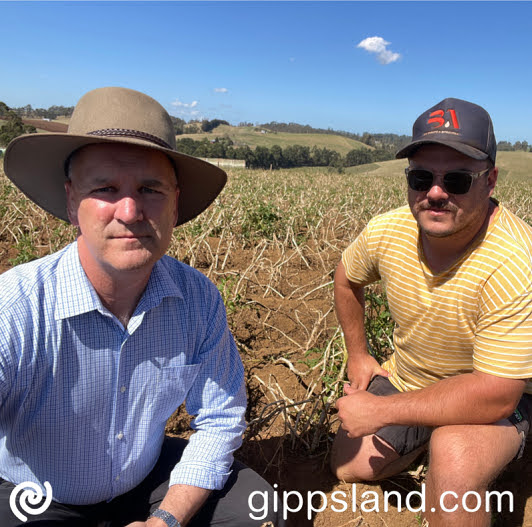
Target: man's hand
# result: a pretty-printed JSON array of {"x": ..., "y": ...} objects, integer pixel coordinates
[
  {"x": 152, "y": 522},
  {"x": 362, "y": 369},
  {"x": 360, "y": 412},
  {"x": 468, "y": 398}
]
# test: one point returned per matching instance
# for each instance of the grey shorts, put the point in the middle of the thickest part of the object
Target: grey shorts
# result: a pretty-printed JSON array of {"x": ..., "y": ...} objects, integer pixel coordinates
[{"x": 405, "y": 439}]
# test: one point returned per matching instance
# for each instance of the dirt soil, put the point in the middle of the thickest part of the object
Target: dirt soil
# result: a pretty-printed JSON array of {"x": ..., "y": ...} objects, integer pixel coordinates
[
  {"x": 291, "y": 316},
  {"x": 279, "y": 305},
  {"x": 48, "y": 126}
]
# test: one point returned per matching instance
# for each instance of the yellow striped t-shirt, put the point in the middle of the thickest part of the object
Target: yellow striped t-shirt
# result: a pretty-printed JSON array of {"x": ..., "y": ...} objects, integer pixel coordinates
[{"x": 477, "y": 314}]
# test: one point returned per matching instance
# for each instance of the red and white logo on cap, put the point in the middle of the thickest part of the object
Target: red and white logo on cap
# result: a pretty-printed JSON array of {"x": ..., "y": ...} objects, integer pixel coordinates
[{"x": 438, "y": 119}]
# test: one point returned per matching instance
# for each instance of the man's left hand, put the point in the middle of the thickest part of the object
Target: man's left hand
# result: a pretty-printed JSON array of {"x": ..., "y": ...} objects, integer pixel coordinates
[{"x": 360, "y": 412}]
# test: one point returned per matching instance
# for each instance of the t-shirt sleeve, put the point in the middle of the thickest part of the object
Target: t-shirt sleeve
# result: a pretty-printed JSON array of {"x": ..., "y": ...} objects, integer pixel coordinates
[
  {"x": 359, "y": 260},
  {"x": 503, "y": 340}
]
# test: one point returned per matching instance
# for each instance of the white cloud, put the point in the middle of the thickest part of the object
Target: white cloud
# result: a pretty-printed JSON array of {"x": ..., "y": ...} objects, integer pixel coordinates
[
  {"x": 184, "y": 109},
  {"x": 220, "y": 90},
  {"x": 378, "y": 46},
  {"x": 178, "y": 104}
]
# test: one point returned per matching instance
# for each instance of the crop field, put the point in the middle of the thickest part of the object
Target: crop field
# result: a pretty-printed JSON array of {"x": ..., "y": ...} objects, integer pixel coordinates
[{"x": 271, "y": 243}]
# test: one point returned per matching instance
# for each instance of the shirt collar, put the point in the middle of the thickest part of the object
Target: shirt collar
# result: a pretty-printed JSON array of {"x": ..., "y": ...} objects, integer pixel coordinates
[
  {"x": 160, "y": 285},
  {"x": 76, "y": 295}
]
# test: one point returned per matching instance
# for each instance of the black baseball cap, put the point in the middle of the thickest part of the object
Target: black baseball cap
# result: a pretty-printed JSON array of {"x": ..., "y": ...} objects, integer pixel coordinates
[{"x": 458, "y": 124}]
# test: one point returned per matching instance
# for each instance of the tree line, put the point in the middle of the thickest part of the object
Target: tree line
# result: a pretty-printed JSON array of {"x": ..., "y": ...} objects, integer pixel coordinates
[
  {"x": 43, "y": 113},
  {"x": 505, "y": 146},
  {"x": 278, "y": 157}
]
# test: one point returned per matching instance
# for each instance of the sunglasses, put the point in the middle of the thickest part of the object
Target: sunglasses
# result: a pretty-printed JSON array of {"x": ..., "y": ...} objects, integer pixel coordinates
[{"x": 454, "y": 182}]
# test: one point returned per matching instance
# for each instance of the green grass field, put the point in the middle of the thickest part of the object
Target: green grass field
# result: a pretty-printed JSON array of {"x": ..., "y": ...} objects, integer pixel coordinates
[{"x": 252, "y": 137}]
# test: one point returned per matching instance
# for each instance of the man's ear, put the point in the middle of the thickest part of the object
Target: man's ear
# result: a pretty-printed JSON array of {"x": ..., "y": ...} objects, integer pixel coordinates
[
  {"x": 72, "y": 206},
  {"x": 492, "y": 179}
]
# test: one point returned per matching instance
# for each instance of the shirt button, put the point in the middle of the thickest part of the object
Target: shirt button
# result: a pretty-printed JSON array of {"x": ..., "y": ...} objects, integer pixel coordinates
[
  {"x": 120, "y": 435},
  {"x": 122, "y": 389},
  {"x": 117, "y": 478}
]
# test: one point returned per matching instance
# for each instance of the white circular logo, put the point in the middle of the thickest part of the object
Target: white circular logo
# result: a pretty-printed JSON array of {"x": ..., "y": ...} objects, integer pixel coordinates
[{"x": 29, "y": 498}]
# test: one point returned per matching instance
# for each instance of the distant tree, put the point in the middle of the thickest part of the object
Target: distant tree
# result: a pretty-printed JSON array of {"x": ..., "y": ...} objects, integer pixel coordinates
[
  {"x": 208, "y": 126},
  {"x": 186, "y": 145},
  {"x": 504, "y": 146},
  {"x": 24, "y": 111},
  {"x": 339, "y": 164},
  {"x": 381, "y": 154},
  {"x": 243, "y": 152},
  {"x": 277, "y": 158},
  {"x": 13, "y": 127},
  {"x": 358, "y": 156},
  {"x": 217, "y": 149},
  {"x": 179, "y": 125},
  {"x": 262, "y": 158},
  {"x": 367, "y": 139},
  {"x": 322, "y": 157},
  {"x": 230, "y": 152},
  {"x": 225, "y": 140},
  {"x": 297, "y": 156},
  {"x": 4, "y": 108},
  {"x": 192, "y": 128},
  {"x": 203, "y": 149}
]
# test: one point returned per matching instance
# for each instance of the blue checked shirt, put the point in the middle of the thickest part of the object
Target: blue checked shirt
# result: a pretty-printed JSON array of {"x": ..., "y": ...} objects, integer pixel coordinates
[{"x": 84, "y": 401}]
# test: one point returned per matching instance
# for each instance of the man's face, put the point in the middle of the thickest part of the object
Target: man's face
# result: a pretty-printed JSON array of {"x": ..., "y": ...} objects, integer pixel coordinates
[
  {"x": 124, "y": 200},
  {"x": 442, "y": 214}
]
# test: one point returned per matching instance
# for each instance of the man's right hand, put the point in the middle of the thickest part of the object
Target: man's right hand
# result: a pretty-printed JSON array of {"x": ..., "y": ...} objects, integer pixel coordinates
[{"x": 362, "y": 369}]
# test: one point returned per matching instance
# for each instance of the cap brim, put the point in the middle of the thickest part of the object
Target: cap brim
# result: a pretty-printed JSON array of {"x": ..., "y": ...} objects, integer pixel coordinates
[
  {"x": 469, "y": 151},
  {"x": 35, "y": 163}
]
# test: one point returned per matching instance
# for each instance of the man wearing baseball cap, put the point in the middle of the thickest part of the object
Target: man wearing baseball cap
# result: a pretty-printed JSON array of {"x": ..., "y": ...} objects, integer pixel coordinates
[
  {"x": 102, "y": 341},
  {"x": 457, "y": 268}
]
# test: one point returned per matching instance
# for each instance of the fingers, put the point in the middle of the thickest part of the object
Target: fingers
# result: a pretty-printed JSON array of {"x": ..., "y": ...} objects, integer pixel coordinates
[
  {"x": 349, "y": 389},
  {"x": 383, "y": 373},
  {"x": 357, "y": 384}
]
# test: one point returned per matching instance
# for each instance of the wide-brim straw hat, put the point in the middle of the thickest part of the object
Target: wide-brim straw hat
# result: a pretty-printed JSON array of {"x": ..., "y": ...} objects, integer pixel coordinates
[{"x": 35, "y": 163}]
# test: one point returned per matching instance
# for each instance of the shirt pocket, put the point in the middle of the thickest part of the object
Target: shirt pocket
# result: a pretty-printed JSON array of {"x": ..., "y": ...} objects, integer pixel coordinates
[{"x": 171, "y": 388}]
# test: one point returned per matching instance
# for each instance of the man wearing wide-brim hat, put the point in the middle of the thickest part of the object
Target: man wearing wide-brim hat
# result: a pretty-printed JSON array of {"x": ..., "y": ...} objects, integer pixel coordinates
[
  {"x": 457, "y": 267},
  {"x": 102, "y": 341}
]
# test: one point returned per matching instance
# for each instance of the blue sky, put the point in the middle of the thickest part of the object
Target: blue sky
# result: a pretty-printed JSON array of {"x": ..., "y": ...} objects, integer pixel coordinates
[{"x": 277, "y": 61}]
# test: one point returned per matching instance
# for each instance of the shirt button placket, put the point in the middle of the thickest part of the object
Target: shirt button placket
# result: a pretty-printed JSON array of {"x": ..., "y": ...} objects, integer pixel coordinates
[{"x": 120, "y": 413}]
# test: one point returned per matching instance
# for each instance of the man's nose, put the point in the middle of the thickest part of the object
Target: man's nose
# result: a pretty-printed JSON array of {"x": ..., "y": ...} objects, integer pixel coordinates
[
  {"x": 129, "y": 210},
  {"x": 437, "y": 190}
]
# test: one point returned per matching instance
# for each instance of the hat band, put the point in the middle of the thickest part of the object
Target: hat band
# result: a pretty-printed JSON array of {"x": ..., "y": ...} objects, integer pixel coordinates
[{"x": 125, "y": 132}]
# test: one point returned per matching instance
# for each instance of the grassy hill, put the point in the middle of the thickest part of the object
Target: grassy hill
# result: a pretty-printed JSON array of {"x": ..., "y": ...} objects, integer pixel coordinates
[
  {"x": 241, "y": 136},
  {"x": 253, "y": 136},
  {"x": 512, "y": 166}
]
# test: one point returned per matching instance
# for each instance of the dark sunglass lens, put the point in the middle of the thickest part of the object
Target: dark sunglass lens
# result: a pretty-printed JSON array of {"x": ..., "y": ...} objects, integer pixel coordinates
[
  {"x": 420, "y": 180},
  {"x": 457, "y": 182}
]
